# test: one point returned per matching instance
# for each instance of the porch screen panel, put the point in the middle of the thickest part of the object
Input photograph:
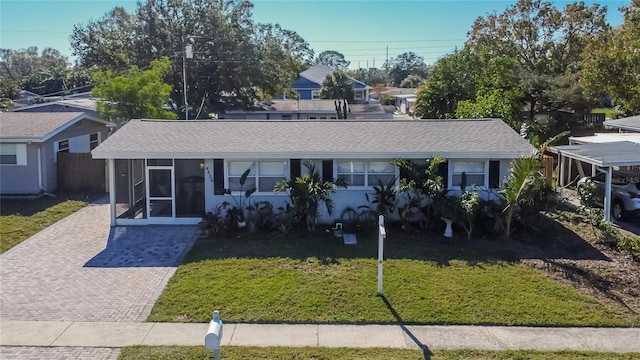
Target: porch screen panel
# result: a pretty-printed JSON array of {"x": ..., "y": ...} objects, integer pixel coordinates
[
  {"x": 189, "y": 176},
  {"x": 130, "y": 189}
]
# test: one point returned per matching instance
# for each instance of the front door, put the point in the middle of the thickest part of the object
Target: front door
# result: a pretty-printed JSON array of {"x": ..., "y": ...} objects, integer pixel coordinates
[{"x": 160, "y": 187}]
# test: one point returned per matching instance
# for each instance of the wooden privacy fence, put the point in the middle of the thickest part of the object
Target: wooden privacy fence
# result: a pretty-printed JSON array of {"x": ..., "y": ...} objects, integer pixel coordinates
[
  {"x": 547, "y": 170},
  {"x": 79, "y": 172}
]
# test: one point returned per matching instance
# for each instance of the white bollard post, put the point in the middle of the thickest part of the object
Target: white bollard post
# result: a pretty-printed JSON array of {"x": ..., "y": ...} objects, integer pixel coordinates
[
  {"x": 214, "y": 335},
  {"x": 382, "y": 233}
]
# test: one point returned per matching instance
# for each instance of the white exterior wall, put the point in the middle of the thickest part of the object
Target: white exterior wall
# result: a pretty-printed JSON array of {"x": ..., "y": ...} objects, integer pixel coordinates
[
  {"x": 21, "y": 179},
  {"x": 342, "y": 198}
]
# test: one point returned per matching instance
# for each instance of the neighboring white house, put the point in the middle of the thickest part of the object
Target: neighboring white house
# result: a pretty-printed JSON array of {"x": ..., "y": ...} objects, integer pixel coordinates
[
  {"x": 306, "y": 110},
  {"x": 169, "y": 172},
  {"x": 30, "y": 142}
]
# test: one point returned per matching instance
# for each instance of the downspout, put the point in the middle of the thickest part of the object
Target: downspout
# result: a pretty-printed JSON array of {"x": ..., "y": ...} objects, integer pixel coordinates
[
  {"x": 40, "y": 170},
  {"x": 112, "y": 190}
]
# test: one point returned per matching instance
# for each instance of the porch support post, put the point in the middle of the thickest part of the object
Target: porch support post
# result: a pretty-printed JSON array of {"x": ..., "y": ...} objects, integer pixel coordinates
[
  {"x": 112, "y": 190},
  {"x": 561, "y": 174},
  {"x": 607, "y": 195}
]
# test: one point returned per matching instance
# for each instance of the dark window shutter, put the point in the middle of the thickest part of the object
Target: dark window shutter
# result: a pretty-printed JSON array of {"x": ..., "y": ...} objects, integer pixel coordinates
[
  {"x": 403, "y": 173},
  {"x": 218, "y": 177},
  {"x": 327, "y": 170},
  {"x": 443, "y": 171},
  {"x": 494, "y": 174},
  {"x": 294, "y": 168}
]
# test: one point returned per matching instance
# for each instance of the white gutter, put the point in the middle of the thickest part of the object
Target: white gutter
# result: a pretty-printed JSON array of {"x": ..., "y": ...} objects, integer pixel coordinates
[{"x": 40, "y": 169}]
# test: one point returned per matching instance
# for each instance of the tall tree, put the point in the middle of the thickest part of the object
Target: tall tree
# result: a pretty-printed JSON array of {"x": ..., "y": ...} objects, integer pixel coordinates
[
  {"x": 109, "y": 43},
  {"x": 337, "y": 86},
  {"x": 498, "y": 93},
  {"x": 231, "y": 52},
  {"x": 283, "y": 53},
  {"x": 137, "y": 94},
  {"x": 41, "y": 73},
  {"x": 453, "y": 79},
  {"x": 405, "y": 64},
  {"x": 333, "y": 59},
  {"x": 547, "y": 42},
  {"x": 612, "y": 62}
]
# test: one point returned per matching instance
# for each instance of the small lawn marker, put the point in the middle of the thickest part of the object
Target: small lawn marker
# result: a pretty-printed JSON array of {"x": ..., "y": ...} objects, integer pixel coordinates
[{"x": 382, "y": 233}]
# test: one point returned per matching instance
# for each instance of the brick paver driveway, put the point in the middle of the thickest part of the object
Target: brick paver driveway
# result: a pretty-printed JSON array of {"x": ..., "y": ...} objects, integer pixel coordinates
[{"x": 81, "y": 269}]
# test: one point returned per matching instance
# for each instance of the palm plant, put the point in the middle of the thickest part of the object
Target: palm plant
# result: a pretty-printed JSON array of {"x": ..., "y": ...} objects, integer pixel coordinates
[
  {"x": 307, "y": 192},
  {"x": 520, "y": 188},
  {"x": 421, "y": 184}
]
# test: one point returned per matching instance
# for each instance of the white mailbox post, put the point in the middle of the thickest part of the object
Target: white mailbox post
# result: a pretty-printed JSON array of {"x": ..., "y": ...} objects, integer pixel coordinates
[
  {"x": 382, "y": 233},
  {"x": 214, "y": 335}
]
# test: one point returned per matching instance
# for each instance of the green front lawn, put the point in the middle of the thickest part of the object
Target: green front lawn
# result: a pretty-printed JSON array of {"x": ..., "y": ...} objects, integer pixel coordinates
[
  {"x": 20, "y": 219},
  {"x": 282, "y": 353},
  {"x": 317, "y": 279},
  {"x": 609, "y": 113}
]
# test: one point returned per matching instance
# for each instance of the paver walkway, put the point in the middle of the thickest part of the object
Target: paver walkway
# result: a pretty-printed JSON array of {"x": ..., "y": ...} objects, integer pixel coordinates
[{"x": 81, "y": 269}]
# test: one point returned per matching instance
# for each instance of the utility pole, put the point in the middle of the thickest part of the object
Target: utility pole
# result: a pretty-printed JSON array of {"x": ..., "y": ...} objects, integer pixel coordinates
[
  {"x": 187, "y": 53},
  {"x": 387, "y": 62}
]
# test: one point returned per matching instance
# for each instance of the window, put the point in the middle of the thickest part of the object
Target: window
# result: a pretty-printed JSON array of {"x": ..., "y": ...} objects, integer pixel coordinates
[
  {"x": 263, "y": 175},
  {"x": 315, "y": 94},
  {"x": 63, "y": 146},
  {"x": 9, "y": 154},
  {"x": 312, "y": 117},
  {"x": 380, "y": 171},
  {"x": 365, "y": 173},
  {"x": 475, "y": 171},
  {"x": 358, "y": 95},
  {"x": 13, "y": 154},
  {"x": 94, "y": 140}
]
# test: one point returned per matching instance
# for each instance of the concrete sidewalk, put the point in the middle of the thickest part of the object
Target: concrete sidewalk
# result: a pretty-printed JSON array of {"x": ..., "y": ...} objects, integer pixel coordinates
[{"x": 114, "y": 335}]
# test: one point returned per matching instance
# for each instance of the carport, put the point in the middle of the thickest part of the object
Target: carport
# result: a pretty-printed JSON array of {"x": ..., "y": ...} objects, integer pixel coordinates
[{"x": 605, "y": 155}]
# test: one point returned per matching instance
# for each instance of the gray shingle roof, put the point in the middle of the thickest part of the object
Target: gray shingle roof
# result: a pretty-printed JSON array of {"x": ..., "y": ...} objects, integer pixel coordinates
[
  {"x": 32, "y": 124},
  {"x": 630, "y": 123},
  {"x": 317, "y": 73},
  {"x": 314, "y": 139}
]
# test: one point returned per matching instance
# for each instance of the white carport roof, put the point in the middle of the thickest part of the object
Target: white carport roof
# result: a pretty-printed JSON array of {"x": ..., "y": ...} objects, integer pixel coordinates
[
  {"x": 607, "y": 154},
  {"x": 629, "y": 123},
  {"x": 600, "y": 138}
]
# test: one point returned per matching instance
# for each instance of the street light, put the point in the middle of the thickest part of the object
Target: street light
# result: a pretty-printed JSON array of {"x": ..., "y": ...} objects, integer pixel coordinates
[{"x": 187, "y": 53}]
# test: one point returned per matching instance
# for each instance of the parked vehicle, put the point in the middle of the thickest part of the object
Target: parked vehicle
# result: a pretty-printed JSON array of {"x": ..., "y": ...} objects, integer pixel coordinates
[{"x": 625, "y": 192}]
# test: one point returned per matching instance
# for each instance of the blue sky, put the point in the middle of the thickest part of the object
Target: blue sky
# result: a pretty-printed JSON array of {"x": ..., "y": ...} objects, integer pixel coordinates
[{"x": 361, "y": 30}]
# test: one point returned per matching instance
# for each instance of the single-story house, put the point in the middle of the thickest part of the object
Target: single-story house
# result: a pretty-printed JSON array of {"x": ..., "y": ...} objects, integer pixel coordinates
[
  {"x": 30, "y": 142},
  {"x": 289, "y": 109},
  {"x": 169, "y": 172},
  {"x": 309, "y": 84},
  {"x": 405, "y": 103},
  {"x": 85, "y": 105}
]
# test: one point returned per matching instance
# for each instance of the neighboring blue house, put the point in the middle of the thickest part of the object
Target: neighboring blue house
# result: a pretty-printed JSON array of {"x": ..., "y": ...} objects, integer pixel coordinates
[{"x": 309, "y": 84}]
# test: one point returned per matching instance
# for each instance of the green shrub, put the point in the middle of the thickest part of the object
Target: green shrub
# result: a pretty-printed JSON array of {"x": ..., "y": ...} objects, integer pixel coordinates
[{"x": 630, "y": 245}]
